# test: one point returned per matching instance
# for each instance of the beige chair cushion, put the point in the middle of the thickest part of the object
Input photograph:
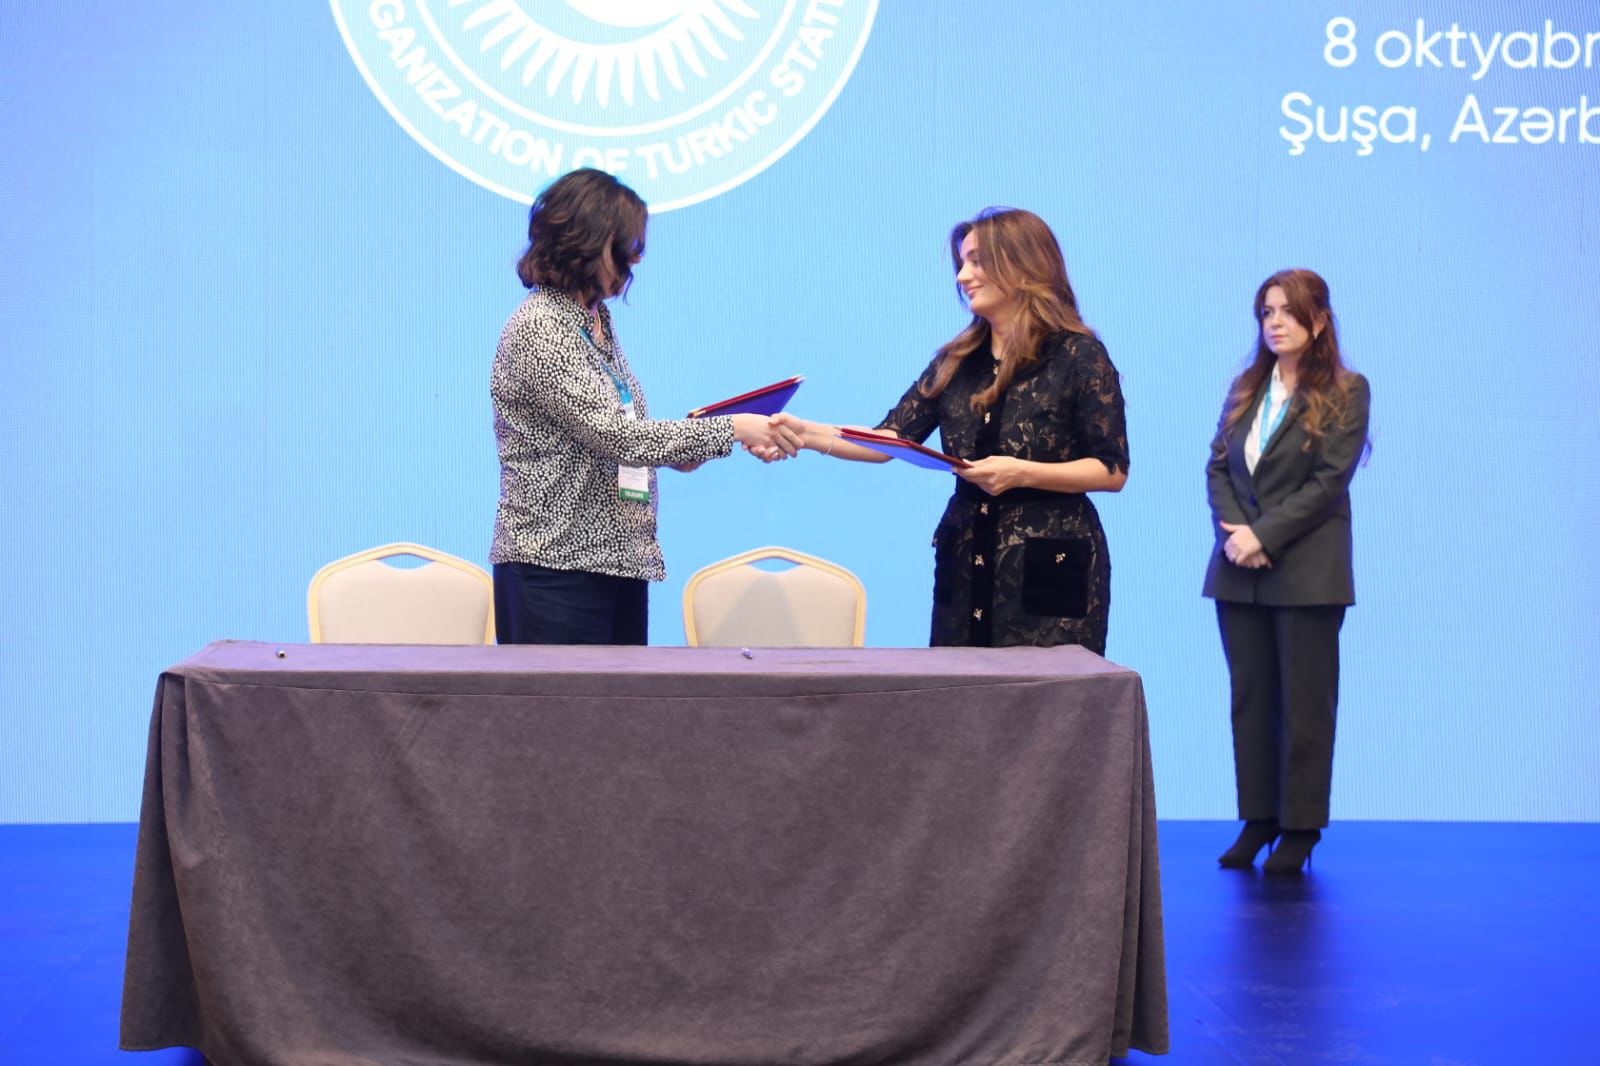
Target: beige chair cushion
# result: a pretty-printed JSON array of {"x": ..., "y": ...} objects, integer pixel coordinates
[
  {"x": 364, "y": 600},
  {"x": 811, "y": 604}
]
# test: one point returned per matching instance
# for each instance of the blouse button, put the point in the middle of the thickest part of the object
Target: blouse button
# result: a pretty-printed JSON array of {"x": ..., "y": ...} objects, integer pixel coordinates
[
  {"x": 977, "y": 560},
  {"x": 986, "y": 418},
  {"x": 978, "y": 614},
  {"x": 983, "y": 508}
]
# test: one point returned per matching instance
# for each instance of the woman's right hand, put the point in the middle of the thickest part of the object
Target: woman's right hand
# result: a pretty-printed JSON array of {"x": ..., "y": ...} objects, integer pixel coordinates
[
  {"x": 813, "y": 435},
  {"x": 767, "y": 438},
  {"x": 825, "y": 438}
]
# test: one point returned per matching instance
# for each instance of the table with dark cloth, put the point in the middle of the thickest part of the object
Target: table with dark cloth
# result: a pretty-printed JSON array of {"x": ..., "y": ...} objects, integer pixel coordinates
[{"x": 370, "y": 854}]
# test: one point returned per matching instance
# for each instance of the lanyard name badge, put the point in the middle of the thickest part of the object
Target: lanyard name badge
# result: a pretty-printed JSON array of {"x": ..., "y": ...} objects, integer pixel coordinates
[
  {"x": 633, "y": 482},
  {"x": 1269, "y": 421}
]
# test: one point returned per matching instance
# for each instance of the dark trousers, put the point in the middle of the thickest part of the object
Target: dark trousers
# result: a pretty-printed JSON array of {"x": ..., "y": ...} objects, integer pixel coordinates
[
  {"x": 538, "y": 605},
  {"x": 1283, "y": 663}
]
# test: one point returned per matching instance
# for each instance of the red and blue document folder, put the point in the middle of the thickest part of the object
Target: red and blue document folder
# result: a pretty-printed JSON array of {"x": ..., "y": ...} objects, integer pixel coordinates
[
  {"x": 767, "y": 400},
  {"x": 896, "y": 448}
]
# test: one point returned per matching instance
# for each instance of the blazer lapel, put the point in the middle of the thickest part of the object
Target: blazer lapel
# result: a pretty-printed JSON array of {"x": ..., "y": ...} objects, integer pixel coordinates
[
  {"x": 1236, "y": 438},
  {"x": 1239, "y": 470}
]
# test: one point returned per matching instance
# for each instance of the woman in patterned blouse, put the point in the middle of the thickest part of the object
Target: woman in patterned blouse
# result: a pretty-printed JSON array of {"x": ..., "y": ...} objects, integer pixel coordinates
[
  {"x": 1028, "y": 395},
  {"x": 575, "y": 532}
]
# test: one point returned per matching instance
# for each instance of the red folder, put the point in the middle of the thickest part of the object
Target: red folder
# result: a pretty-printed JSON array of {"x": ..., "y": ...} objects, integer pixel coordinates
[
  {"x": 767, "y": 400},
  {"x": 896, "y": 448}
]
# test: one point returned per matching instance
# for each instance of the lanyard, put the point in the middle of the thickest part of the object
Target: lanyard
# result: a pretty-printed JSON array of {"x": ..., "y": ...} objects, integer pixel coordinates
[
  {"x": 624, "y": 393},
  {"x": 633, "y": 482},
  {"x": 1269, "y": 423}
]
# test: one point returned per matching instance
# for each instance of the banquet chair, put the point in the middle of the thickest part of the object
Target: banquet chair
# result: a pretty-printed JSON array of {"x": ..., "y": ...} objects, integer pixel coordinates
[
  {"x": 362, "y": 599},
  {"x": 811, "y": 604}
]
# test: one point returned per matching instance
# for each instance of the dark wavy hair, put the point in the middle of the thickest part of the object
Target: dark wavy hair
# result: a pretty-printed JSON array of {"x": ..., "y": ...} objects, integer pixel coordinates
[
  {"x": 1321, "y": 377},
  {"x": 580, "y": 222},
  {"x": 1021, "y": 258}
]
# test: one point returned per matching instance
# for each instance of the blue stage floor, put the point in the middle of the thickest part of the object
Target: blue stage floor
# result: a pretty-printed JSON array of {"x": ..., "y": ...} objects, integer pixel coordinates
[{"x": 1407, "y": 943}]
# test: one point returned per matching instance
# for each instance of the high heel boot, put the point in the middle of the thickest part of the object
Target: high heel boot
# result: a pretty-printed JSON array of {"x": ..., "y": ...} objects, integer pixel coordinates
[
  {"x": 1257, "y": 833},
  {"x": 1293, "y": 852}
]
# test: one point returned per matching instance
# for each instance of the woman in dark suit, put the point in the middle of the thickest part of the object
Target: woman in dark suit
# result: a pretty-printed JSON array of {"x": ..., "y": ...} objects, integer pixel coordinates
[{"x": 1292, "y": 431}]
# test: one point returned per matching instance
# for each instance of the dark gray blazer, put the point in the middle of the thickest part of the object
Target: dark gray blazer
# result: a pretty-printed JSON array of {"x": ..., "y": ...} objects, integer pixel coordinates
[{"x": 1297, "y": 503}]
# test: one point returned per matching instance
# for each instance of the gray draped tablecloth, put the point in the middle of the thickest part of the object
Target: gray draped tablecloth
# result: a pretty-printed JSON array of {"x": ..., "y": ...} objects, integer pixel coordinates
[{"x": 368, "y": 854}]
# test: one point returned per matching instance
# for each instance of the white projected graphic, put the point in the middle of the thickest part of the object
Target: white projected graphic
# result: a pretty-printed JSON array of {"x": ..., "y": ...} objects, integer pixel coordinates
[
  {"x": 683, "y": 99},
  {"x": 256, "y": 294},
  {"x": 1466, "y": 53},
  {"x": 599, "y": 72}
]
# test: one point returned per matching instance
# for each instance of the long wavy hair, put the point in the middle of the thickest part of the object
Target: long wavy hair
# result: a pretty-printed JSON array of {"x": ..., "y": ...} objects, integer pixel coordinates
[
  {"x": 581, "y": 221},
  {"x": 1021, "y": 258},
  {"x": 1321, "y": 378}
]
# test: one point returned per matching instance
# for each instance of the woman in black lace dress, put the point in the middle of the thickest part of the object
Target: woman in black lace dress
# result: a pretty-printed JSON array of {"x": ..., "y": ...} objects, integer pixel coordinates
[{"x": 1028, "y": 395}]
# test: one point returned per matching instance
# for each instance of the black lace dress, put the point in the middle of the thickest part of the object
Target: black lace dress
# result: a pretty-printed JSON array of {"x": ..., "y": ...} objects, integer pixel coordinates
[{"x": 1028, "y": 566}]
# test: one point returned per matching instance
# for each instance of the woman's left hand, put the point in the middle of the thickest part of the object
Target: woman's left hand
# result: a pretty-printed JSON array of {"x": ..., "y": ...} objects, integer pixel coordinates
[
  {"x": 996, "y": 474},
  {"x": 1242, "y": 547}
]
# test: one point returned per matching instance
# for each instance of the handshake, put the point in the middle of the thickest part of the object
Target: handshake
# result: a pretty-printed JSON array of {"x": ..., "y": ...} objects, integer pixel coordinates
[
  {"x": 771, "y": 438},
  {"x": 781, "y": 436}
]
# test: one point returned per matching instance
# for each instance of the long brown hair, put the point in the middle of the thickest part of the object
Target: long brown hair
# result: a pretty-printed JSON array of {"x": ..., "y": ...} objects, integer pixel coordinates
[
  {"x": 1321, "y": 376},
  {"x": 1021, "y": 258},
  {"x": 577, "y": 222}
]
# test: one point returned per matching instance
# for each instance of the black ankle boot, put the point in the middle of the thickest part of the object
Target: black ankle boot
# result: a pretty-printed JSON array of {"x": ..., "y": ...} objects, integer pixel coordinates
[
  {"x": 1257, "y": 833},
  {"x": 1294, "y": 851}
]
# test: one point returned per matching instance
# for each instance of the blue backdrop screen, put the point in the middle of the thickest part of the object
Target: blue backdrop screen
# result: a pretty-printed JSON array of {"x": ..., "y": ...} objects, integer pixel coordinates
[{"x": 256, "y": 261}]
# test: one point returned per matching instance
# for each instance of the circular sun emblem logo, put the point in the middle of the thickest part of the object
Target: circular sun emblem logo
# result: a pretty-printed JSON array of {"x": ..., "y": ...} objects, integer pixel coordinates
[{"x": 682, "y": 99}]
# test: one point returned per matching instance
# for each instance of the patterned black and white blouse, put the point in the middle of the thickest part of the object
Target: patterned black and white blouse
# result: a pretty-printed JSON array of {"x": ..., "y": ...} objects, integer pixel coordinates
[{"x": 562, "y": 434}]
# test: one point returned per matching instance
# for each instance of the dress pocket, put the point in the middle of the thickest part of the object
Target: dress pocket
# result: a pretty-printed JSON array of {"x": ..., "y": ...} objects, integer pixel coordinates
[{"x": 1055, "y": 576}]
